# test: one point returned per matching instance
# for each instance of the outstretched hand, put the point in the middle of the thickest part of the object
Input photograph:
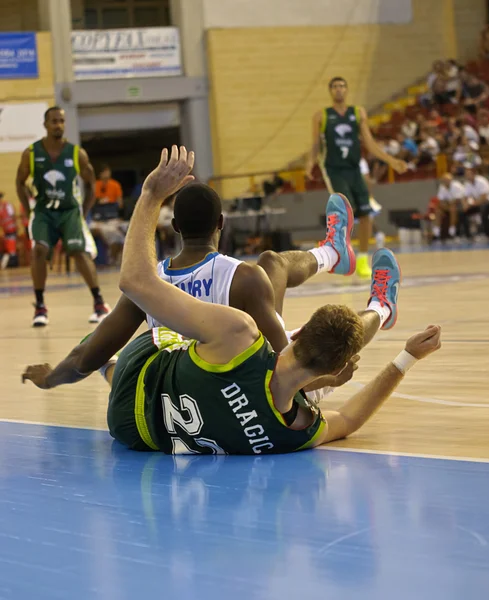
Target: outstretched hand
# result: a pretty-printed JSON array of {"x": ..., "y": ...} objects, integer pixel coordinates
[
  {"x": 424, "y": 343},
  {"x": 38, "y": 375},
  {"x": 170, "y": 175}
]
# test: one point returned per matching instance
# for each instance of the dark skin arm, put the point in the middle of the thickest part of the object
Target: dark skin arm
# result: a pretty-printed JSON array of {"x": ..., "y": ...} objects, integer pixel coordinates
[
  {"x": 88, "y": 175},
  {"x": 23, "y": 173},
  {"x": 108, "y": 338},
  {"x": 252, "y": 293}
]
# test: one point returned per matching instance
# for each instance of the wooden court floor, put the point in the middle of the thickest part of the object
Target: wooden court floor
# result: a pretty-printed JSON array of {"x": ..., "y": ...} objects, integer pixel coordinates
[{"x": 441, "y": 409}]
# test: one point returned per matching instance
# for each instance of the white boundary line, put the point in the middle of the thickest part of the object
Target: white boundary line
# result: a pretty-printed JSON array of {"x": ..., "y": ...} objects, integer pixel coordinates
[
  {"x": 428, "y": 400},
  {"x": 46, "y": 424},
  {"x": 408, "y": 454}
]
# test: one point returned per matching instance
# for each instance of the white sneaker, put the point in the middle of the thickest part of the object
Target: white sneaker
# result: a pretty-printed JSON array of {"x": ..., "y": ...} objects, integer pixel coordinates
[
  {"x": 100, "y": 311},
  {"x": 380, "y": 239},
  {"x": 40, "y": 317}
]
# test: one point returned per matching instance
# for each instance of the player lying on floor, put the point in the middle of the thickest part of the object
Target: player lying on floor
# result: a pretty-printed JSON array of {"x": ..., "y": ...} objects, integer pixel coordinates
[
  {"x": 203, "y": 272},
  {"x": 222, "y": 390}
]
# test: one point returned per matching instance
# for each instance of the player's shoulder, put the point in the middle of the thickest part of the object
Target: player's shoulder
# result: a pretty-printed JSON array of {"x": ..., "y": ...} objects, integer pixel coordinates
[{"x": 250, "y": 280}]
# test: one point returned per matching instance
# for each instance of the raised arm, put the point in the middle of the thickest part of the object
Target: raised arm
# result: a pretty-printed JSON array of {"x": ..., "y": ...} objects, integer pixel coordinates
[
  {"x": 23, "y": 173},
  {"x": 111, "y": 335},
  {"x": 223, "y": 332},
  {"x": 373, "y": 147},
  {"x": 359, "y": 408},
  {"x": 88, "y": 176}
]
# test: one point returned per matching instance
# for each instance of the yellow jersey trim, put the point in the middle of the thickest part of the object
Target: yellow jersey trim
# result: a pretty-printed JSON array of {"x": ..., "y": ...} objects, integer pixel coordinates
[
  {"x": 76, "y": 158},
  {"x": 314, "y": 438},
  {"x": 357, "y": 114},
  {"x": 31, "y": 160},
  {"x": 139, "y": 415},
  {"x": 269, "y": 396},
  {"x": 232, "y": 364}
]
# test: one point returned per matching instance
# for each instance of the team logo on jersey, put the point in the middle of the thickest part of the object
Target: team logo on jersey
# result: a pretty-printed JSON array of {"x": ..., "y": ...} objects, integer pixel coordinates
[
  {"x": 53, "y": 176},
  {"x": 342, "y": 129},
  {"x": 68, "y": 162},
  {"x": 353, "y": 118}
]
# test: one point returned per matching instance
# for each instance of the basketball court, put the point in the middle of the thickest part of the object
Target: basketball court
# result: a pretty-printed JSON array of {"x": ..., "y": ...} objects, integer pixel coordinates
[{"x": 400, "y": 509}]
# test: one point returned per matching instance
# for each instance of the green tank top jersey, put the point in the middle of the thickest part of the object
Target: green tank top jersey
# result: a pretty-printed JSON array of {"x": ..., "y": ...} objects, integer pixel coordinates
[
  {"x": 184, "y": 404},
  {"x": 56, "y": 183},
  {"x": 340, "y": 138}
]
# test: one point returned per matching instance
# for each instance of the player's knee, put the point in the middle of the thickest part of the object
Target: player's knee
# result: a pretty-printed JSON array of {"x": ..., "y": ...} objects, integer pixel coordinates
[
  {"x": 40, "y": 252},
  {"x": 269, "y": 260}
]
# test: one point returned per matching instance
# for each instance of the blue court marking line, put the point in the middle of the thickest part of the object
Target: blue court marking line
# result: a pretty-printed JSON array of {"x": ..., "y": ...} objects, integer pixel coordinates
[
  {"x": 23, "y": 290},
  {"x": 324, "y": 447}
]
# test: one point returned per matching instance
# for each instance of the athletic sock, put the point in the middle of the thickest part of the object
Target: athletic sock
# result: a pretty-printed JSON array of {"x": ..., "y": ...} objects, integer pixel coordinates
[
  {"x": 326, "y": 257},
  {"x": 384, "y": 312},
  {"x": 39, "y": 297},
  {"x": 362, "y": 256},
  {"x": 97, "y": 297},
  {"x": 109, "y": 363}
]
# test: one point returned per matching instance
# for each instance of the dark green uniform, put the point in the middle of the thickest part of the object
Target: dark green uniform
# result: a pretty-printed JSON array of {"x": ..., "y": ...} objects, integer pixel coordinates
[
  {"x": 58, "y": 213},
  {"x": 165, "y": 397},
  {"x": 340, "y": 138}
]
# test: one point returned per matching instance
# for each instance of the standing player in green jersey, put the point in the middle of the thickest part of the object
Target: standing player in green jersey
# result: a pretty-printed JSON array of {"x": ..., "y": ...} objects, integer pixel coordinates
[
  {"x": 55, "y": 166},
  {"x": 217, "y": 388},
  {"x": 336, "y": 145}
]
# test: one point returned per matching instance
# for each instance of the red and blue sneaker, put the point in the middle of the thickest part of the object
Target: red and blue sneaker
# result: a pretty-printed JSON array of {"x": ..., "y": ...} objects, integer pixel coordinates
[
  {"x": 339, "y": 221},
  {"x": 386, "y": 280}
]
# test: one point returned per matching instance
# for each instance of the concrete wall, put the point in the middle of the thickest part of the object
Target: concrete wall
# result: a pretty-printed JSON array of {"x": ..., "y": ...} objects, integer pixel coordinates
[
  {"x": 469, "y": 18},
  {"x": 304, "y": 211}
]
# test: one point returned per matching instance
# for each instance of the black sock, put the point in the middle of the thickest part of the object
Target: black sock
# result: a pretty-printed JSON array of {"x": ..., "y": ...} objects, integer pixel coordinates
[
  {"x": 39, "y": 296},
  {"x": 96, "y": 295}
]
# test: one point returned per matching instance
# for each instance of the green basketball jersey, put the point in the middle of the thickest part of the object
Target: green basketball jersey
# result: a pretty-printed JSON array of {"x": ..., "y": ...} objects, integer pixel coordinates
[
  {"x": 340, "y": 138},
  {"x": 184, "y": 404},
  {"x": 56, "y": 183}
]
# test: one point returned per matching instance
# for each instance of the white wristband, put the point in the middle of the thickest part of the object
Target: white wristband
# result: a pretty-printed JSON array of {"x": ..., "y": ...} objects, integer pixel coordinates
[{"x": 404, "y": 361}]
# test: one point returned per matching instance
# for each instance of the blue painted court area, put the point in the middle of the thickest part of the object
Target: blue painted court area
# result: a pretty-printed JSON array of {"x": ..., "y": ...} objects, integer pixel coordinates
[{"x": 82, "y": 518}]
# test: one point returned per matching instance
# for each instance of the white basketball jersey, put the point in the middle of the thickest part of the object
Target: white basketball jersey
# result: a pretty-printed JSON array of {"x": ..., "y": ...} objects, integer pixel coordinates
[{"x": 209, "y": 280}]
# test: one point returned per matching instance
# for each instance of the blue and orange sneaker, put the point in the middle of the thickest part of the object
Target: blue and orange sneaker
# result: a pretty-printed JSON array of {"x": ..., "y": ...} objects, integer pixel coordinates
[
  {"x": 386, "y": 280},
  {"x": 339, "y": 222}
]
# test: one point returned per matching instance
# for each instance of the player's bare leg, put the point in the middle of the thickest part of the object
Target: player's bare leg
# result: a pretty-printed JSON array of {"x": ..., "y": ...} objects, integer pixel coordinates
[
  {"x": 39, "y": 273},
  {"x": 86, "y": 268},
  {"x": 334, "y": 254}
]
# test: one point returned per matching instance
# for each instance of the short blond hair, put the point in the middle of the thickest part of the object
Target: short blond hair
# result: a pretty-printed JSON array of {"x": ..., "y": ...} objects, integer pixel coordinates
[{"x": 329, "y": 339}]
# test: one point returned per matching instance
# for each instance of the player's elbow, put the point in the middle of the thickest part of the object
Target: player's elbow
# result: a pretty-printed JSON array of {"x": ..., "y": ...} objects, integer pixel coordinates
[{"x": 130, "y": 283}]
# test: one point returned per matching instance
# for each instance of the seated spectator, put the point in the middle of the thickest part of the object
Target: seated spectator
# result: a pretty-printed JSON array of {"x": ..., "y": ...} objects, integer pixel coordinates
[
  {"x": 107, "y": 190},
  {"x": 434, "y": 120},
  {"x": 483, "y": 125},
  {"x": 8, "y": 224},
  {"x": 420, "y": 127},
  {"x": 106, "y": 223},
  {"x": 428, "y": 149},
  {"x": 476, "y": 200},
  {"x": 469, "y": 131},
  {"x": 450, "y": 193},
  {"x": 474, "y": 92},
  {"x": 465, "y": 153},
  {"x": 408, "y": 148},
  {"x": 409, "y": 129},
  {"x": 453, "y": 81}
]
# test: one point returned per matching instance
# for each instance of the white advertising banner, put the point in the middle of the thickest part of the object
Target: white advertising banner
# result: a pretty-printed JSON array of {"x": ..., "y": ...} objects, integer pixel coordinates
[
  {"x": 118, "y": 53},
  {"x": 21, "y": 125}
]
